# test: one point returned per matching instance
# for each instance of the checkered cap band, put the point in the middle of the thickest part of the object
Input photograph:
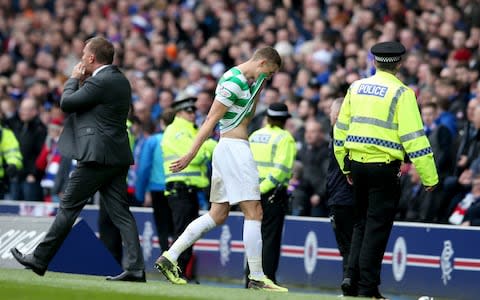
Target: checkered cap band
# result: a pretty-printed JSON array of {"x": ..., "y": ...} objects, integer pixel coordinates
[
  {"x": 276, "y": 113},
  {"x": 184, "y": 105},
  {"x": 389, "y": 59}
]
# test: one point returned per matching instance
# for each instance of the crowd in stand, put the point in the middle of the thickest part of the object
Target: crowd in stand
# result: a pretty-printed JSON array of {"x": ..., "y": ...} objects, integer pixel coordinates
[{"x": 165, "y": 47}]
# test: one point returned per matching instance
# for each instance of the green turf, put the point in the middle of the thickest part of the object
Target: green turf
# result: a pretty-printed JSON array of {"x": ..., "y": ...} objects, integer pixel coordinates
[{"x": 24, "y": 284}]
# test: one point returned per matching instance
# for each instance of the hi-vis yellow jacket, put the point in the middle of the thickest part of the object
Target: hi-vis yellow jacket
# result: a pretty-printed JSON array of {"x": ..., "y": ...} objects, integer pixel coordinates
[
  {"x": 379, "y": 121},
  {"x": 177, "y": 141},
  {"x": 9, "y": 150},
  {"x": 274, "y": 152}
]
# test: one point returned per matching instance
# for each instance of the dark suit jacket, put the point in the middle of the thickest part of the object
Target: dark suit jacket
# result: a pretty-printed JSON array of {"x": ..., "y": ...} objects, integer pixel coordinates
[
  {"x": 96, "y": 130},
  {"x": 441, "y": 142}
]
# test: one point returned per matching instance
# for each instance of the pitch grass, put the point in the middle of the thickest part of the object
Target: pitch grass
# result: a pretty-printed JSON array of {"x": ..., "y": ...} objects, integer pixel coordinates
[{"x": 24, "y": 284}]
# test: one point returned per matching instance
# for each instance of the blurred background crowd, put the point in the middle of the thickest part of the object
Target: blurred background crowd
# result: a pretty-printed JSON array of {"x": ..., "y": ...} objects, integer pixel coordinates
[{"x": 166, "y": 47}]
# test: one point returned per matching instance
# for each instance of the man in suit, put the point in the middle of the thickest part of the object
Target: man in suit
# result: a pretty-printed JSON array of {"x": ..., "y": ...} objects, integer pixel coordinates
[{"x": 95, "y": 134}]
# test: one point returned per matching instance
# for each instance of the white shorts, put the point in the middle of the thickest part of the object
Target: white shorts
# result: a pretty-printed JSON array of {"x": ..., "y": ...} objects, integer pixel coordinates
[{"x": 234, "y": 172}]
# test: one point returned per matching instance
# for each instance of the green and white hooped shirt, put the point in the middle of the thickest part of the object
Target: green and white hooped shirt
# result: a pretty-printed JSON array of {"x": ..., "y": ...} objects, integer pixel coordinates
[{"x": 234, "y": 92}]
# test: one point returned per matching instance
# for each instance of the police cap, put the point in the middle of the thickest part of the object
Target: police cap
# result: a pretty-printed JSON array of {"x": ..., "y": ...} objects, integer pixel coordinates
[
  {"x": 388, "y": 52},
  {"x": 278, "y": 111},
  {"x": 184, "y": 101}
]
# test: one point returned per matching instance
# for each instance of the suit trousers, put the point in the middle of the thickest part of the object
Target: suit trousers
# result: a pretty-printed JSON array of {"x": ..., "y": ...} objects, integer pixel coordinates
[
  {"x": 86, "y": 179},
  {"x": 275, "y": 206},
  {"x": 109, "y": 234},
  {"x": 183, "y": 201},
  {"x": 342, "y": 224},
  {"x": 376, "y": 188}
]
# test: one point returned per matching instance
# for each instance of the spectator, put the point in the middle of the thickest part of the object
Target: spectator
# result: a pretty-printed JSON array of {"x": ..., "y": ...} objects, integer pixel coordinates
[
  {"x": 314, "y": 157},
  {"x": 307, "y": 111},
  {"x": 456, "y": 186},
  {"x": 48, "y": 161},
  {"x": 31, "y": 134},
  {"x": 441, "y": 140},
  {"x": 269, "y": 96},
  {"x": 413, "y": 205},
  {"x": 472, "y": 215}
]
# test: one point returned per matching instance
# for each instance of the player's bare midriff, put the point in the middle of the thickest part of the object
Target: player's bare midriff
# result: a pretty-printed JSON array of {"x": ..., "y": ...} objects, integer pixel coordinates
[{"x": 239, "y": 132}]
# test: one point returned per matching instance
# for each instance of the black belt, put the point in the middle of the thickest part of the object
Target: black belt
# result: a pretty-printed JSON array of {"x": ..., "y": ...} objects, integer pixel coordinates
[
  {"x": 393, "y": 163},
  {"x": 178, "y": 185}
]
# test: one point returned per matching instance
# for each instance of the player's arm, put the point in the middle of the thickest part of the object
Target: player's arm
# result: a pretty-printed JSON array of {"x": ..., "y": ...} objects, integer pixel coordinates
[{"x": 217, "y": 111}]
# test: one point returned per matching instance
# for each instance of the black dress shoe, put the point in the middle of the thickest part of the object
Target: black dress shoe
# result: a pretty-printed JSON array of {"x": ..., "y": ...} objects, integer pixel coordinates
[
  {"x": 135, "y": 276},
  {"x": 28, "y": 261},
  {"x": 348, "y": 288},
  {"x": 375, "y": 296}
]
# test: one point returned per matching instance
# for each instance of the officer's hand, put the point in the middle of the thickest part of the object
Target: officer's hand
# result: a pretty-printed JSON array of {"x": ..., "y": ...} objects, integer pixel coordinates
[
  {"x": 430, "y": 188},
  {"x": 181, "y": 163},
  {"x": 11, "y": 171}
]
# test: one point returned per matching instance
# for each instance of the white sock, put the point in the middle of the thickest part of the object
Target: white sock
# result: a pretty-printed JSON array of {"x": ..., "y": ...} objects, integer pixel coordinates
[
  {"x": 252, "y": 239},
  {"x": 191, "y": 234}
]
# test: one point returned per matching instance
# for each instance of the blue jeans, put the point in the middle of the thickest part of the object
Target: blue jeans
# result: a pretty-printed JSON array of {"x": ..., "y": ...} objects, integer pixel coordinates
[{"x": 29, "y": 191}]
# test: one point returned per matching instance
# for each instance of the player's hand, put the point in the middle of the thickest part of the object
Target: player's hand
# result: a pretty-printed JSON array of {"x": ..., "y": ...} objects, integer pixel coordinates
[
  {"x": 181, "y": 163},
  {"x": 79, "y": 71}
]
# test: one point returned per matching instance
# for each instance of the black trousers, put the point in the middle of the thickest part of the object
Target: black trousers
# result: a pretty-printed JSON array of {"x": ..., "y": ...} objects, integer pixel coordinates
[
  {"x": 109, "y": 234},
  {"x": 183, "y": 201},
  {"x": 162, "y": 215},
  {"x": 274, "y": 211},
  {"x": 342, "y": 224},
  {"x": 86, "y": 179},
  {"x": 376, "y": 188}
]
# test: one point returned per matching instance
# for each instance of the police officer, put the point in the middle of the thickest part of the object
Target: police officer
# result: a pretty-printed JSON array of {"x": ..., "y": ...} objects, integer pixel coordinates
[
  {"x": 274, "y": 152},
  {"x": 379, "y": 122},
  {"x": 182, "y": 187}
]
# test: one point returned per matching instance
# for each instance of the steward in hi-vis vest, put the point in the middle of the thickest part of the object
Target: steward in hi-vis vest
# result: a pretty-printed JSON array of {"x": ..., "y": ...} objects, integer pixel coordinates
[
  {"x": 12, "y": 159},
  {"x": 182, "y": 187},
  {"x": 274, "y": 152}
]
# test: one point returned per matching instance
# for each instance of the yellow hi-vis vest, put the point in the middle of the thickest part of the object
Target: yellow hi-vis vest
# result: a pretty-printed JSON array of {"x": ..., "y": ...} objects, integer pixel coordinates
[
  {"x": 10, "y": 150},
  {"x": 379, "y": 121},
  {"x": 274, "y": 152},
  {"x": 177, "y": 140}
]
